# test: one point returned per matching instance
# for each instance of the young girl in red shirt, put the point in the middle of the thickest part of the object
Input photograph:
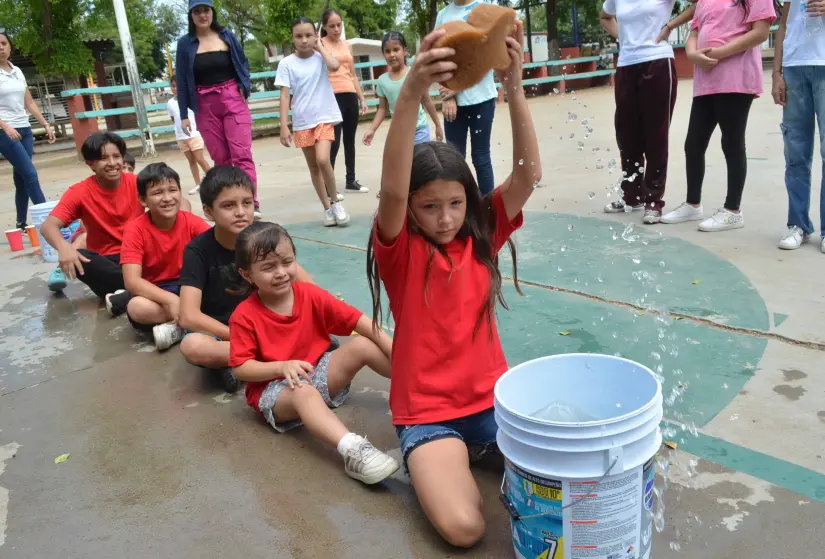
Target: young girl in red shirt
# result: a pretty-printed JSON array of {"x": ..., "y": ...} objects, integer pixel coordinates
[
  {"x": 434, "y": 246},
  {"x": 280, "y": 345}
]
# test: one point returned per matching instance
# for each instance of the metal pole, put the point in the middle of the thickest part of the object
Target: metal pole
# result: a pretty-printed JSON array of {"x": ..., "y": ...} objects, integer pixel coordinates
[
  {"x": 134, "y": 79},
  {"x": 529, "y": 29}
]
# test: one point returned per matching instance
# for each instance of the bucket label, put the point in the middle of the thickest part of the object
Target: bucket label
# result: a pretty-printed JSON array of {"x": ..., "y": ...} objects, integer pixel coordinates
[{"x": 605, "y": 520}]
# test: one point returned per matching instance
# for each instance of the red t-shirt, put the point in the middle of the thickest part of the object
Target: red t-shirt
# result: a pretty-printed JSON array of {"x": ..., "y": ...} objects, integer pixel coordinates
[
  {"x": 260, "y": 334},
  {"x": 160, "y": 253},
  {"x": 440, "y": 369},
  {"x": 105, "y": 212}
]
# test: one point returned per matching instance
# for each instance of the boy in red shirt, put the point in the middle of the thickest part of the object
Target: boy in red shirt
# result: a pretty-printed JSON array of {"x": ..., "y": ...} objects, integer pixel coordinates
[
  {"x": 152, "y": 254},
  {"x": 105, "y": 202}
]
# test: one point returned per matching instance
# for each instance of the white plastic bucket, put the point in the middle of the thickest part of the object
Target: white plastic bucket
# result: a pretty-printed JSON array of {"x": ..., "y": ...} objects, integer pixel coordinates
[
  {"x": 579, "y": 489},
  {"x": 39, "y": 214}
]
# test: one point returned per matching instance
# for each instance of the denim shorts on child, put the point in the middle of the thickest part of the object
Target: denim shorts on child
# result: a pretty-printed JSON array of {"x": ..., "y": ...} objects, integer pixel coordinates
[
  {"x": 171, "y": 287},
  {"x": 318, "y": 379},
  {"x": 422, "y": 135},
  {"x": 478, "y": 431}
]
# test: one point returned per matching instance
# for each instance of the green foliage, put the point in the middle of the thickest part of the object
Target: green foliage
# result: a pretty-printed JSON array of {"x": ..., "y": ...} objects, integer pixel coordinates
[
  {"x": 51, "y": 33},
  {"x": 278, "y": 16},
  {"x": 588, "y": 19},
  {"x": 244, "y": 17},
  {"x": 367, "y": 19}
]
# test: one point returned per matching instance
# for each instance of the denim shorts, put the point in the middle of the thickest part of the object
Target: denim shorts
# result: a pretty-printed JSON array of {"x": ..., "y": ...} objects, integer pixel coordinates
[
  {"x": 319, "y": 379},
  {"x": 422, "y": 135},
  {"x": 478, "y": 431}
]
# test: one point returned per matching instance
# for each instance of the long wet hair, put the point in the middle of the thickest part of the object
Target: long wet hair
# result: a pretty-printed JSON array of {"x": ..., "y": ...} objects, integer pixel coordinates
[
  {"x": 433, "y": 161},
  {"x": 256, "y": 242}
]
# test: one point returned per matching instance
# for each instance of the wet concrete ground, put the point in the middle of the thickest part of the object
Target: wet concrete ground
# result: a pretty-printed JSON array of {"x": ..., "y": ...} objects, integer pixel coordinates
[{"x": 164, "y": 464}]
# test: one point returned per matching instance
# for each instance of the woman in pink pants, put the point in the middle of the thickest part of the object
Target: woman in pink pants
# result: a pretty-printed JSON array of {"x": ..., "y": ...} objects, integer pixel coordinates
[{"x": 213, "y": 80}]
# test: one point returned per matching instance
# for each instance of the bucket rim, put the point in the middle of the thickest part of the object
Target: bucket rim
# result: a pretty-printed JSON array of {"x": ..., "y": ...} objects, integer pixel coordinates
[{"x": 595, "y": 423}]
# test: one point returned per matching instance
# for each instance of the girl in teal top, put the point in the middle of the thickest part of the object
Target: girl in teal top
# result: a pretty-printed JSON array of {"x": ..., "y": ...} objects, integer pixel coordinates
[{"x": 394, "y": 47}]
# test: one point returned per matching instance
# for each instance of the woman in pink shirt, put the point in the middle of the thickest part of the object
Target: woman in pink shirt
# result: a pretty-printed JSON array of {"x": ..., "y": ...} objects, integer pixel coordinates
[{"x": 724, "y": 44}]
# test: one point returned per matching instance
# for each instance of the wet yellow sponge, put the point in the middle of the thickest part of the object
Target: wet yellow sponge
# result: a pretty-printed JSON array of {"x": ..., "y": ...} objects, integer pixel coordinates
[{"x": 480, "y": 44}]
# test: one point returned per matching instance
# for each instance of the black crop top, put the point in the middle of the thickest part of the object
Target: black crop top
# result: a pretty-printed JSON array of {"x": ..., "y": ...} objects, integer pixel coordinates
[{"x": 213, "y": 67}]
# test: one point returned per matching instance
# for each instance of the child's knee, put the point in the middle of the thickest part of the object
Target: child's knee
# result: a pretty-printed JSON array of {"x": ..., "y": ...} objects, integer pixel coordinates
[
  {"x": 192, "y": 348},
  {"x": 305, "y": 394},
  {"x": 138, "y": 308},
  {"x": 323, "y": 162},
  {"x": 462, "y": 527}
]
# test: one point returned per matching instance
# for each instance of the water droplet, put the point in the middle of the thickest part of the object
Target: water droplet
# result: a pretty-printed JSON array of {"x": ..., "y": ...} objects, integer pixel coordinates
[
  {"x": 521, "y": 161},
  {"x": 572, "y": 136},
  {"x": 637, "y": 260},
  {"x": 556, "y": 90},
  {"x": 661, "y": 263},
  {"x": 570, "y": 227},
  {"x": 675, "y": 546},
  {"x": 641, "y": 169},
  {"x": 479, "y": 116},
  {"x": 725, "y": 385},
  {"x": 591, "y": 195},
  {"x": 595, "y": 149},
  {"x": 580, "y": 146},
  {"x": 563, "y": 248},
  {"x": 628, "y": 209}
]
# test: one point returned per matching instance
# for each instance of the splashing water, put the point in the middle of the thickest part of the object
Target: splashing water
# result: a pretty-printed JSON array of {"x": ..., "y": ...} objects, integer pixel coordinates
[{"x": 591, "y": 195}]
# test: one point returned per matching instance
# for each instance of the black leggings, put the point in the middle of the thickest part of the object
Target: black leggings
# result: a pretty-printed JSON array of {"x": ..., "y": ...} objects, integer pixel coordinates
[
  {"x": 101, "y": 273},
  {"x": 730, "y": 112},
  {"x": 348, "y": 103}
]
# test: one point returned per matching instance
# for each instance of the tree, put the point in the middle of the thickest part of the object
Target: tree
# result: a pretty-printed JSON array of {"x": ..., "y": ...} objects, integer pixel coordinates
[
  {"x": 367, "y": 19},
  {"x": 278, "y": 16},
  {"x": 244, "y": 17},
  {"x": 51, "y": 33}
]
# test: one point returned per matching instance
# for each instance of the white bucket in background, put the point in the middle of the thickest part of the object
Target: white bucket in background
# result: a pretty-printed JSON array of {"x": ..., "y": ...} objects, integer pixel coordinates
[
  {"x": 39, "y": 214},
  {"x": 578, "y": 477}
]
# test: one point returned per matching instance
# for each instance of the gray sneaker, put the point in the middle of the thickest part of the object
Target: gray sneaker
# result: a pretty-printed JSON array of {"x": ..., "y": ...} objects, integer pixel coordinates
[{"x": 620, "y": 206}]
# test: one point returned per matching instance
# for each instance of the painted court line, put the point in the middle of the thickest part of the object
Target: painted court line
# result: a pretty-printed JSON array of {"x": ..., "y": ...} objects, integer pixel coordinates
[{"x": 677, "y": 316}]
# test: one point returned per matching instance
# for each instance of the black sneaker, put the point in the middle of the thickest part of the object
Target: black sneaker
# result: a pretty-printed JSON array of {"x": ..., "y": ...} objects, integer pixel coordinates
[
  {"x": 356, "y": 186},
  {"x": 116, "y": 302},
  {"x": 228, "y": 380},
  {"x": 22, "y": 225}
]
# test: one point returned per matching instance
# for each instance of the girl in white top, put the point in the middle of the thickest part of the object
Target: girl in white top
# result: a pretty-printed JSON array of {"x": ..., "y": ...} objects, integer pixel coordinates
[
  {"x": 315, "y": 113},
  {"x": 16, "y": 139},
  {"x": 191, "y": 144},
  {"x": 798, "y": 82}
]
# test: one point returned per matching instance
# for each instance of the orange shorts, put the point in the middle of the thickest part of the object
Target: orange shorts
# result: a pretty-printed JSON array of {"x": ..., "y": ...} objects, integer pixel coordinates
[
  {"x": 308, "y": 138},
  {"x": 192, "y": 144}
]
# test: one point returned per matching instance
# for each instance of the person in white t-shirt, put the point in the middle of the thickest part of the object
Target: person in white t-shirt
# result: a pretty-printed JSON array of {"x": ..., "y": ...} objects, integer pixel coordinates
[
  {"x": 798, "y": 85},
  {"x": 16, "y": 139},
  {"x": 645, "y": 94},
  {"x": 315, "y": 113},
  {"x": 190, "y": 144}
]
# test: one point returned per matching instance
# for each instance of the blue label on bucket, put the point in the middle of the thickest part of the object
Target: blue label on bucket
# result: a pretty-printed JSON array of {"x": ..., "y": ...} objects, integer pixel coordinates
[{"x": 577, "y": 519}]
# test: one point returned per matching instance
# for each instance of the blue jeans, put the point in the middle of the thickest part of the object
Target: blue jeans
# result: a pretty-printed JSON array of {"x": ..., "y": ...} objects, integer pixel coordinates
[
  {"x": 478, "y": 121},
  {"x": 477, "y": 430},
  {"x": 805, "y": 102},
  {"x": 26, "y": 184}
]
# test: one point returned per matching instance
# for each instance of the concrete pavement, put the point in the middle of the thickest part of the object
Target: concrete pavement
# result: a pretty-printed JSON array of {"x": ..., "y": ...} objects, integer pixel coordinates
[{"x": 163, "y": 464}]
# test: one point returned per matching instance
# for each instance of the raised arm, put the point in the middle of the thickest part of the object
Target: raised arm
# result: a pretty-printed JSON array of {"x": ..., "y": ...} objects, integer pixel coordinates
[
  {"x": 331, "y": 62},
  {"x": 430, "y": 67},
  {"x": 526, "y": 173}
]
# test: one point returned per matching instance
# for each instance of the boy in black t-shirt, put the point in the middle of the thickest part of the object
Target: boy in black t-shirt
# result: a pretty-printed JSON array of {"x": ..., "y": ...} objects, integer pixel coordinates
[{"x": 227, "y": 195}]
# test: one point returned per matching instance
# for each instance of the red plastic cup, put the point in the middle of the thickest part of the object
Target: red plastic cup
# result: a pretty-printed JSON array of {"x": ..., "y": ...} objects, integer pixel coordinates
[
  {"x": 15, "y": 237},
  {"x": 31, "y": 231}
]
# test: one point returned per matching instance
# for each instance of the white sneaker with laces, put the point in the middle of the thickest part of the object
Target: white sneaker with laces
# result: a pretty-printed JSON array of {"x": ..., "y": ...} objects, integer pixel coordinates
[
  {"x": 195, "y": 190},
  {"x": 166, "y": 335},
  {"x": 366, "y": 463},
  {"x": 620, "y": 206},
  {"x": 794, "y": 239},
  {"x": 329, "y": 218},
  {"x": 684, "y": 212},
  {"x": 340, "y": 214},
  {"x": 722, "y": 220}
]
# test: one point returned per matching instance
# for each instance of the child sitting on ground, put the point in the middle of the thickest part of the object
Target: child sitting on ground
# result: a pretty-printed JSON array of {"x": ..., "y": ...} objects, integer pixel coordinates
[
  {"x": 206, "y": 304},
  {"x": 105, "y": 202},
  {"x": 435, "y": 246},
  {"x": 152, "y": 254},
  {"x": 279, "y": 344}
]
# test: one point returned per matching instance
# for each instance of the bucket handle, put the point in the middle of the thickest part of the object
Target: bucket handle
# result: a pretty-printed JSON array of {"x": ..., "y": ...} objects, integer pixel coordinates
[{"x": 513, "y": 512}]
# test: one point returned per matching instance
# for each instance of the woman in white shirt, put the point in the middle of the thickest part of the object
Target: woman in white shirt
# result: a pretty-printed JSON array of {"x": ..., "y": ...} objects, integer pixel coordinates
[
  {"x": 645, "y": 96},
  {"x": 798, "y": 82},
  {"x": 16, "y": 139}
]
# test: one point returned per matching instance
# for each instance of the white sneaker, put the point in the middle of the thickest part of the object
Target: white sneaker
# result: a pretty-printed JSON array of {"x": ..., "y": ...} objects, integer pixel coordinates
[
  {"x": 619, "y": 206},
  {"x": 651, "y": 216},
  {"x": 794, "y": 239},
  {"x": 166, "y": 335},
  {"x": 723, "y": 220},
  {"x": 822, "y": 246},
  {"x": 340, "y": 214},
  {"x": 366, "y": 463},
  {"x": 329, "y": 218},
  {"x": 684, "y": 212},
  {"x": 195, "y": 190}
]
